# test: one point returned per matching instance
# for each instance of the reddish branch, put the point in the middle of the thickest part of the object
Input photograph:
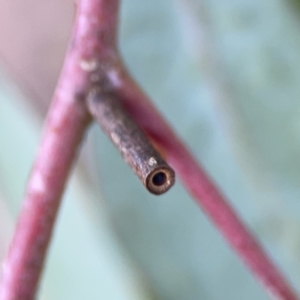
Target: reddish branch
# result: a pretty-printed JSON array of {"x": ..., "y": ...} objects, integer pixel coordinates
[
  {"x": 67, "y": 120},
  {"x": 92, "y": 55},
  {"x": 202, "y": 189}
]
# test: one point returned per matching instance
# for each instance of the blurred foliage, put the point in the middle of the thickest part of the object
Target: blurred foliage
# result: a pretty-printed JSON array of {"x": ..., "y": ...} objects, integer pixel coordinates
[
  {"x": 295, "y": 4},
  {"x": 225, "y": 74}
]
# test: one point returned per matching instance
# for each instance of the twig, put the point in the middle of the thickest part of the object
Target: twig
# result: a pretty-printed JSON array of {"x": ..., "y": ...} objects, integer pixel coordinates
[
  {"x": 66, "y": 123},
  {"x": 132, "y": 143},
  {"x": 201, "y": 188},
  {"x": 92, "y": 57}
]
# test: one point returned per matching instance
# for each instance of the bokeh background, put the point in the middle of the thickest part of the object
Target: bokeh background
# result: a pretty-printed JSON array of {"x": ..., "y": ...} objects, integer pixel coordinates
[{"x": 226, "y": 76}]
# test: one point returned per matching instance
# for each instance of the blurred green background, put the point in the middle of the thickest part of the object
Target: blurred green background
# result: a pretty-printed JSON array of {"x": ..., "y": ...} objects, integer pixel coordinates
[{"x": 226, "y": 76}]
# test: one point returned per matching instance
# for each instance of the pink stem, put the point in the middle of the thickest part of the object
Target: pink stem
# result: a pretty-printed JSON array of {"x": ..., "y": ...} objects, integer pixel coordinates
[
  {"x": 93, "y": 49},
  {"x": 201, "y": 188},
  {"x": 93, "y": 39},
  {"x": 64, "y": 129}
]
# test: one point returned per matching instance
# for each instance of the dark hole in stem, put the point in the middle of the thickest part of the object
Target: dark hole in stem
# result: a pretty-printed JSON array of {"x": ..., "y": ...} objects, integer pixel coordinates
[{"x": 159, "y": 179}]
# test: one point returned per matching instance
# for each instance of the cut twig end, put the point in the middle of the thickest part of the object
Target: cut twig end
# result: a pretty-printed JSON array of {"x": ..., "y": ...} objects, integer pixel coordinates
[
  {"x": 160, "y": 180},
  {"x": 134, "y": 146}
]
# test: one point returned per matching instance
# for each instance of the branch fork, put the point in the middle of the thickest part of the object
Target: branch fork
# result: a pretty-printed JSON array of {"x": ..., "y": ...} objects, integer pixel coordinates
[{"x": 93, "y": 76}]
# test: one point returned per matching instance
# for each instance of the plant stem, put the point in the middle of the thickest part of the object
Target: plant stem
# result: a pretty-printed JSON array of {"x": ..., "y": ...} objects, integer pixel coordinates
[
  {"x": 94, "y": 37},
  {"x": 202, "y": 189},
  {"x": 92, "y": 57},
  {"x": 132, "y": 143},
  {"x": 64, "y": 129}
]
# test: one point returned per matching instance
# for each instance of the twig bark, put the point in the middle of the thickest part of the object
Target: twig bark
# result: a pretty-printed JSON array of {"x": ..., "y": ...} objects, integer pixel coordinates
[
  {"x": 94, "y": 36},
  {"x": 135, "y": 148},
  {"x": 92, "y": 57},
  {"x": 202, "y": 189}
]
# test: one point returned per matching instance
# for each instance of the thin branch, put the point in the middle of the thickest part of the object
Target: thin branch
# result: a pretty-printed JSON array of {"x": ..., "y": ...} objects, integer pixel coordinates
[
  {"x": 25, "y": 259},
  {"x": 95, "y": 32},
  {"x": 66, "y": 123},
  {"x": 135, "y": 148},
  {"x": 201, "y": 188},
  {"x": 92, "y": 58}
]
